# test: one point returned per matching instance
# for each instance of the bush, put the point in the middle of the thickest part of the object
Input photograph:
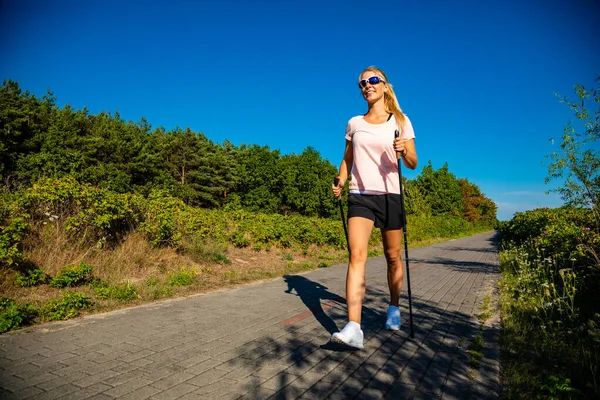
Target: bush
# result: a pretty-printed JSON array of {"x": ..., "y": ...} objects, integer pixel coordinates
[
  {"x": 33, "y": 277},
  {"x": 568, "y": 236},
  {"x": 73, "y": 275},
  {"x": 89, "y": 212},
  {"x": 13, "y": 228},
  {"x": 66, "y": 307},
  {"x": 13, "y": 316}
]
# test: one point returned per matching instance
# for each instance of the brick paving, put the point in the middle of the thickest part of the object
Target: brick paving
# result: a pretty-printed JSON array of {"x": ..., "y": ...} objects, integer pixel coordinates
[{"x": 271, "y": 340}]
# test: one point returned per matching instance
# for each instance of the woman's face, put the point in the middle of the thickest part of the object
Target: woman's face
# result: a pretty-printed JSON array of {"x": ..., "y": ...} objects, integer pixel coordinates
[{"x": 372, "y": 86}]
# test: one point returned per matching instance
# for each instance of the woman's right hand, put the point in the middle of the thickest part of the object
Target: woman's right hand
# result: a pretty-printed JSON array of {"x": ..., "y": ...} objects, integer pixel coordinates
[{"x": 337, "y": 187}]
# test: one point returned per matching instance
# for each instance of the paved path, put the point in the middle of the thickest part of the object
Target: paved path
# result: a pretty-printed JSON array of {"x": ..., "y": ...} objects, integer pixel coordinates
[{"x": 270, "y": 340}]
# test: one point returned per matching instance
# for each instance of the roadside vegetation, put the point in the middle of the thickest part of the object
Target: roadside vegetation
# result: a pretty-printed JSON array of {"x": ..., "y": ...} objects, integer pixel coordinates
[{"x": 550, "y": 280}]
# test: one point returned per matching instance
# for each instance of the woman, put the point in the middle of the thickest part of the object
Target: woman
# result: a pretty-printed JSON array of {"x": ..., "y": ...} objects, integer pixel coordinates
[{"x": 371, "y": 157}]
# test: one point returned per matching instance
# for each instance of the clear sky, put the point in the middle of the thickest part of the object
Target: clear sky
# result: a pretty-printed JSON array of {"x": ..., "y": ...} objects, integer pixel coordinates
[{"x": 477, "y": 78}]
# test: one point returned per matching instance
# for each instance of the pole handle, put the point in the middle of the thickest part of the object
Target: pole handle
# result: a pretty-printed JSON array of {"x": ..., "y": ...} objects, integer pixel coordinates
[{"x": 397, "y": 135}]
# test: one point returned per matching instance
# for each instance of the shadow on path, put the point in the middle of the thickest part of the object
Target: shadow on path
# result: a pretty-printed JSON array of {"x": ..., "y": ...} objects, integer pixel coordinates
[
  {"x": 434, "y": 364},
  {"x": 465, "y": 266},
  {"x": 316, "y": 297}
]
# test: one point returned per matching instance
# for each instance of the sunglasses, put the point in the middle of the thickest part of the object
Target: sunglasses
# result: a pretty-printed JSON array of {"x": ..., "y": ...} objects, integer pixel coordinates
[{"x": 374, "y": 80}]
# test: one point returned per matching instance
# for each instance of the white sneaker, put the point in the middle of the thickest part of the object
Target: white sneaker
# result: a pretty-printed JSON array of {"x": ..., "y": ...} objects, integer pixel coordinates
[
  {"x": 393, "y": 318},
  {"x": 351, "y": 335}
]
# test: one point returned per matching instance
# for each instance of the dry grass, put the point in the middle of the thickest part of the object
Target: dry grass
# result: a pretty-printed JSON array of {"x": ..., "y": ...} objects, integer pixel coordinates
[
  {"x": 214, "y": 266},
  {"x": 149, "y": 269}
]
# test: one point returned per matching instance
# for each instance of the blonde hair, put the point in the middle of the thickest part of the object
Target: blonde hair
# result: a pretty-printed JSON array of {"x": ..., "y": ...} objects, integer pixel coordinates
[{"x": 389, "y": 98}]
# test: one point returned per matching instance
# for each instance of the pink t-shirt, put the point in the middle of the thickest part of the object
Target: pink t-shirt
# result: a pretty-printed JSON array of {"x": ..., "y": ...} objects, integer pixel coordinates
[{"x": 375, "y": 167}]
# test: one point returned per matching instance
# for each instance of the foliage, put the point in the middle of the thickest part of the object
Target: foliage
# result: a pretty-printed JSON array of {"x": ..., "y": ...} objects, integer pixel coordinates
[
  {"x": 416, "y": 199},
  {"x": 551, "y": 275},
  {"x": 41, "y": 141},
  {"x": 32, "y": 277},
  {"x": 67, "y": 307},
  {"x": 565, "y": 234},
  {"x": 23, "y": 120},
  {"x": 442, "y": 190},
  {"x": 556, "y": 388},
  {"x": 98, "y": 217},
  {"x": 306, "y": 184},
  {"x": 88, "y": 212},
  {"x": 259, "y": 183},
  {"x": 550, "y": 313},
  {"x": 476, "y": 206},
  {"x": 72, "y": 275},
  {"x": 13, "y": 228},
  {"x": 578, "y": 159},
  {"x": 13, "y": 316}
]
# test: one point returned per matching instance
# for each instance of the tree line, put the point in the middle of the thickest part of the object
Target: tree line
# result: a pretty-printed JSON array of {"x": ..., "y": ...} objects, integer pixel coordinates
[{"x": 39, "y": 139}]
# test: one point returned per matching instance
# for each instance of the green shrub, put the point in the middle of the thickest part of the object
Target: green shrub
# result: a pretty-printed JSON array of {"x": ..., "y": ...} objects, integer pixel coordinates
[
  {"x": 556, "y": 388},
  {"x": 96, "y": 215},
  {"x": 239, "y": 239},
  {"x": 67, "y": 307},
  {"x": 72, "y": 275},
  {"x": 5, "y": 302},
  {"x": 13, "y": 316},
  {"x": 32, "y": 277},
  {"x": 163, "y": 219},
  {"x": 89, "y": 212},
  {"x": 13, "y": 228}
]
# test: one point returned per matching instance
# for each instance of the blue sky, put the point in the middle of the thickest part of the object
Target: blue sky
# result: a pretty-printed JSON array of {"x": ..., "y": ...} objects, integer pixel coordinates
[{"x": 477, "y": 78}]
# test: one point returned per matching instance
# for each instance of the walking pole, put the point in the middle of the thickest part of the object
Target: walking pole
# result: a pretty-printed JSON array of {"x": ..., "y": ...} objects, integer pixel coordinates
[
  {"x": 336, "y": 181},
  {"x": 412, "y": 330}
]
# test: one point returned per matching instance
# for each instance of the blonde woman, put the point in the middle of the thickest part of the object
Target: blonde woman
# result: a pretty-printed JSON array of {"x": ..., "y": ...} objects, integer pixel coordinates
[{"x": 371, "y": 159}]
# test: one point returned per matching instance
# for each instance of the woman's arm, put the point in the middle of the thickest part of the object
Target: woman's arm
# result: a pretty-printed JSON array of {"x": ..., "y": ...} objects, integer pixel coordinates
[
  {"x": 347, "y": 161},
  {"x": 409, "y": 154},
  {"x": 345, "y": 168}
]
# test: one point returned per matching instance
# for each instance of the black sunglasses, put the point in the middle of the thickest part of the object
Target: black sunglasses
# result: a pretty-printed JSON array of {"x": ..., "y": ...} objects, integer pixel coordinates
[{"x": 374, "y": 80}]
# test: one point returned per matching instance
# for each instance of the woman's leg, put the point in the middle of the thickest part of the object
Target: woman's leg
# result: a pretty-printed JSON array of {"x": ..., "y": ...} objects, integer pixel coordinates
[
  {"x": 359, "y": 232},
  {"x": 392, "y": 246}
]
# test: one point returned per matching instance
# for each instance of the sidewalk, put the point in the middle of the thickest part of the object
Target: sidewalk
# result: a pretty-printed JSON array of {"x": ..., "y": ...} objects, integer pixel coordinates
[{"x": 270, "y": 340}]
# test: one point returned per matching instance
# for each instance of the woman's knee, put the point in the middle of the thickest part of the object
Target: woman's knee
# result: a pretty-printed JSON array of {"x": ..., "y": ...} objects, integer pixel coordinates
[
  {"x": 392, "y": 256},
  {"x": 358, "y": 257}
]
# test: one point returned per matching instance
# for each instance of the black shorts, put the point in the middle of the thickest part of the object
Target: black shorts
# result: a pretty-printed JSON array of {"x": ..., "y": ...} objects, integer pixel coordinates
[{"x": 385, "y": 210}]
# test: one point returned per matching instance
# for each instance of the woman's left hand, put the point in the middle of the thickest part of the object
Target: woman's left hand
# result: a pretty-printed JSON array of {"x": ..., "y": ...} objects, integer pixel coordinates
[{"x": 400, "y": 147}]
